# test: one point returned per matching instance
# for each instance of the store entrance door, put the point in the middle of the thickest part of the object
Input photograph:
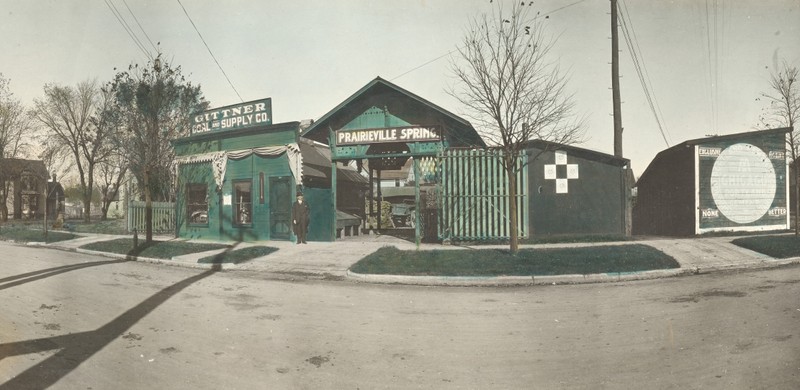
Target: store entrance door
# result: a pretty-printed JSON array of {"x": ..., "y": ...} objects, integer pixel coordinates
[{"x": 280, "y": 207}]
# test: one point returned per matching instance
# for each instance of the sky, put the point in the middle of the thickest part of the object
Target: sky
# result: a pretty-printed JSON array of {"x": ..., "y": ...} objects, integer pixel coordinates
[{"x": 707, "y": 62}]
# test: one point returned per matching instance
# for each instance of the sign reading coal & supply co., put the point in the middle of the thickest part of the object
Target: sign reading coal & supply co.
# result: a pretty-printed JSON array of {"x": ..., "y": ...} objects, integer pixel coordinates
[{"x": 237, "y": 116}]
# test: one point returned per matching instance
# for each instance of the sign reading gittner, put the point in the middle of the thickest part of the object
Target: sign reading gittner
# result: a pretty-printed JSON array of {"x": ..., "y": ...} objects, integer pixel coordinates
[
  {"x": 237, "y": 116},
  {"x": 391, "y": 134}
]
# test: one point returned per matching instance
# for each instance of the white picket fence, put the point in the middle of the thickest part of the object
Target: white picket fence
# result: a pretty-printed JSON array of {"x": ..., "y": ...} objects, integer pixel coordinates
[{"x": 163, "y": 217}]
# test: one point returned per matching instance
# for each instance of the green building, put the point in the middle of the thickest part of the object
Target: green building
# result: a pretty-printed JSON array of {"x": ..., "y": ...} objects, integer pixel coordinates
[
  {"x": 238, "y": 175},
  {"x": 381, "y": 127}
]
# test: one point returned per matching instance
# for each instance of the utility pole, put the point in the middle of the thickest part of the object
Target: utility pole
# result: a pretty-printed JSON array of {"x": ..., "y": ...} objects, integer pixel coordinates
[
  {"x": 615, "y": 81},
  {"x": 628, "y": 173}
]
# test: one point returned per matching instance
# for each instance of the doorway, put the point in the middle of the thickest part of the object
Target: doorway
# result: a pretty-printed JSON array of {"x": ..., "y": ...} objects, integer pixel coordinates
[{"x": 280, "y": 207}]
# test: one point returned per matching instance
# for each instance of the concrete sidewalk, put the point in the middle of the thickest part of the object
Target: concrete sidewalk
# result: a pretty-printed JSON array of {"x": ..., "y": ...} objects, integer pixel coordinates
[{"x": 331, "y": 260}]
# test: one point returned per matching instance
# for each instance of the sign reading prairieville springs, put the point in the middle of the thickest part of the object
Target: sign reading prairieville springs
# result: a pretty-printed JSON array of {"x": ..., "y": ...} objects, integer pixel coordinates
[
  {"x": 390, "y": 134},
  {"x": 237, "y": 116}
]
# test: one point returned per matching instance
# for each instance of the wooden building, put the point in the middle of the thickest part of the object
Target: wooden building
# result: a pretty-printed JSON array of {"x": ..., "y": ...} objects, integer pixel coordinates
[
  {"x": 55, "y": 199},
  {"x": 561, "y": 190},
  {"x": 576, "y": 191},
  {"x": 734, "y": 182},
  {"x": 386, "y": 125},
  {"x": 24, "y": 188},
  {"x": 238, "y": 174}
]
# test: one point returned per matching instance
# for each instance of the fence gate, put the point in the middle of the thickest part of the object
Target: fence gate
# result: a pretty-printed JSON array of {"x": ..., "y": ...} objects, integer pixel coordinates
[
  {"x": 163, "y": 217},
  {"x": 474, "y": 195}
]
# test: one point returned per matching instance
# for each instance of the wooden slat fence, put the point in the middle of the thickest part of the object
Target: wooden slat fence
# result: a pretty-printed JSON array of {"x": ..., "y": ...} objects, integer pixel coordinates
[
  {"x": 474, "y": 201},
  {"x": 163, "y": 217}
]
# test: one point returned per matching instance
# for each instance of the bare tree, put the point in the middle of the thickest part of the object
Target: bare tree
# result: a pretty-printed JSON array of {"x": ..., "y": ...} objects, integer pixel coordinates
[
  {"x": 74, "y": 124},
  {"x": 156, "y": 101},
  {"x": 15, "y": 126},
  {"x": 783, "y": 111},
  {"x": 512, "y": 91},
  {"x": 111, "y": 177}
]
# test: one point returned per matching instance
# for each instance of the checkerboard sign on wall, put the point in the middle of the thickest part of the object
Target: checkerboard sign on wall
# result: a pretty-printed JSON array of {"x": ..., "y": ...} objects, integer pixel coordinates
[{"x": 561, "y": 172}]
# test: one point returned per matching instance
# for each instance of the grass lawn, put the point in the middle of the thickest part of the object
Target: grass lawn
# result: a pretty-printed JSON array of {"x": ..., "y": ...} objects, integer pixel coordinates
[
  {"x": 239, "y": 255},
  {"x": 24, "y": 233},
  {"x": 780, "y": 247},
  {"x": 157, "y": 249},
  {"x": 110, "y": 226},
  {"x": 492, "y": 262}
]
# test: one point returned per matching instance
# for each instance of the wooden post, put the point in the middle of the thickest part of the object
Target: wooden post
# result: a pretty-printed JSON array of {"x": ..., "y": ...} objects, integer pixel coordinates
[
  {"x": 615, "y": 81},
  {"x": 380, "y": 199},
  {"x": 371, "y": 192},
  {"x": 333, "y": 198},
  {"x": 416, "y": 195}
]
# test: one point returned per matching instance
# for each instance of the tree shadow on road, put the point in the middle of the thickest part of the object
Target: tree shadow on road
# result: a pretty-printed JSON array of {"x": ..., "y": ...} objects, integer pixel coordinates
[
  {"x": 16, "y": 280},
  {"x": 74, "y": 349}
]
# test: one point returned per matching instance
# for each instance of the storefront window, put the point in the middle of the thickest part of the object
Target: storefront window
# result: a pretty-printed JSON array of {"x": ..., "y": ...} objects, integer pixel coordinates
[
  {"x": 197, "y": 203},
  {"x": 243, "y": 203}
]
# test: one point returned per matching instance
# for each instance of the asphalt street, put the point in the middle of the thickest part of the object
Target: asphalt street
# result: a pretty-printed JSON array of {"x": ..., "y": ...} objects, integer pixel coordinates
[{"x": 78, "y": 321}]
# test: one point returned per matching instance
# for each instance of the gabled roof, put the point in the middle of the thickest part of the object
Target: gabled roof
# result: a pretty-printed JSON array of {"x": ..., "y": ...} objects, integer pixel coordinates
[
  {"x": 317, "y": 163},
  {"x": 697, "y": 141},
  {"x": 405, "y": 104},
  {"x": 575, "y": 151},
  {"x": 728, "y": 137},
  {"x": 15, "y": 166}
]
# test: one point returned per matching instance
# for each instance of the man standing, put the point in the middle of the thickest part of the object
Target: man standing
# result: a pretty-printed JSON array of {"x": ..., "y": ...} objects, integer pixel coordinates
[{"x": 300, "y": 217}]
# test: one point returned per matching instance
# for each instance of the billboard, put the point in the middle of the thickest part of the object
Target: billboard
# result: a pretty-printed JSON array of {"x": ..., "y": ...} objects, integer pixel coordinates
[{"x": 742, "y": 184}]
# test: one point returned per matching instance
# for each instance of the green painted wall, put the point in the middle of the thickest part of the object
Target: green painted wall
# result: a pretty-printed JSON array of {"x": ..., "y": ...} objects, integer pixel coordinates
[
  {"x": 375, "y": 118},
  {"x": 321, "y": 208},
  {"x": 220, "y": 225},
  {"x": 593, "y": 204},
  {"x": 281, "y": 134}
]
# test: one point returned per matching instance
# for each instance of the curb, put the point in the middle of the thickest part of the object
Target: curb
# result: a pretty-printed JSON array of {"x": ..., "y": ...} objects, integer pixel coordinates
[
  {"x": 152, "y": 260},
  {"x": 756, "y": 265},
  {"x": 118, "y": 256},
  {"x": 458, "y": 281},
  {"x": 510, "y": 281}
]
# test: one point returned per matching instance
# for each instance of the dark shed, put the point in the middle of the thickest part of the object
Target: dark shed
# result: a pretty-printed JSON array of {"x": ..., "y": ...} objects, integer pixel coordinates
[
  {"x": 576, "y": 191},
  {"x": 735, "y": 182}
]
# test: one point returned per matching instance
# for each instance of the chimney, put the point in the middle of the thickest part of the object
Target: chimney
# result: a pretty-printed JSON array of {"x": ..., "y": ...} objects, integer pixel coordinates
[{"x": 54, "y": 176}]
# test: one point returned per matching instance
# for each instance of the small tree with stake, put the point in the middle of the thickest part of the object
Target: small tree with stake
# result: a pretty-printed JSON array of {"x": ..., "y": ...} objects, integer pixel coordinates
[
  {"x": 511, "y": 91},
  {"x": 156, "y": 102}
]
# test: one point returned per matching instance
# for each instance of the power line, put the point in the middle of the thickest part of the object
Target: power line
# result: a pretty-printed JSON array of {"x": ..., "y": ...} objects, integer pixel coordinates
[
  {"x": 657, "y": 113},
  {"x": 433, "y": 60},
  {"x": 641, "y": 70},
  {"x": 140, "y": 26},
  {"x": 559, "y": 9},
  {"x": 131, "y": 34},
  {"x": 711, "y": 71},
  {"x": 544, "y": 15},
  {"x": 209, "y": 51}
]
